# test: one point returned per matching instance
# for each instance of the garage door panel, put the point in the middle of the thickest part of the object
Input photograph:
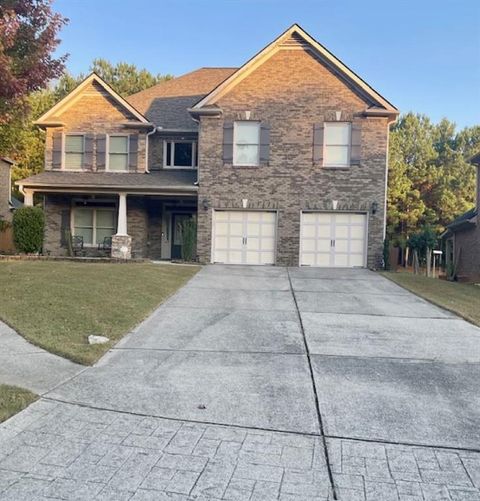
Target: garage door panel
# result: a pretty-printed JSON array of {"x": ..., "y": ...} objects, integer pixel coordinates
[
  {"x": 332, "y": 239},
  {"x": 244, "y": 237}
]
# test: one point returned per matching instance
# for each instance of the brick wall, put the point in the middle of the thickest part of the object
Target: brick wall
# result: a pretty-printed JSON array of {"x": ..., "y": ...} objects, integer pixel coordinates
[
  {"x": 56, "y": 207},
  {"x": 94, "y": 112},
  {"x": 291, "y": 92},
  {"x": 5, "y": 213},
  {"x": 469, "y": 262}
]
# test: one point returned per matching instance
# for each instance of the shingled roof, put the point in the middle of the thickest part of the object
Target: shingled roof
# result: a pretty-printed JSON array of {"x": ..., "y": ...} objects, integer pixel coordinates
[
  {"x": 169, "y": 180},
  {"x": 166, "y": 103}
]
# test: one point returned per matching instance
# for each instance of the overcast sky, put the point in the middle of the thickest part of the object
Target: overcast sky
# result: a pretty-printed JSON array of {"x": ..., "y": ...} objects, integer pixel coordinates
[{"x": 422, "y": 55}]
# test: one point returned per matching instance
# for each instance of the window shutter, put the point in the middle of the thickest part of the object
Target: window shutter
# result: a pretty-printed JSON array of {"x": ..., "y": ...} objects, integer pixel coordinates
[
  {"x": 101, "y": 151},
  {"x": 88, "y": 153},
  {"x": 356, "y": 146},
  {"x": 133, "y": 152},
  {"x": 57, "y": 150},
  {"x": 264, "y": 142},
  {"x": 65, "y": 228},
  {"x": 228, "y": 142},
  {"x": 318, "y": 130}
]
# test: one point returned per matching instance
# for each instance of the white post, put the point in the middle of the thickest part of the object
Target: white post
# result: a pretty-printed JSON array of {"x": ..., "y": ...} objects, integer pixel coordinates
[
  {"x": 122, "y": 214},
  {"x": 28, "y": 197}
]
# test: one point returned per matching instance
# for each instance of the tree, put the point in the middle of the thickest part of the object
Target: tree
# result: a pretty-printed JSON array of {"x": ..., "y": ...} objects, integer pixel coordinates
[
  {"x": 430, "y": 179},
  {"x": 28, "y": 37}
]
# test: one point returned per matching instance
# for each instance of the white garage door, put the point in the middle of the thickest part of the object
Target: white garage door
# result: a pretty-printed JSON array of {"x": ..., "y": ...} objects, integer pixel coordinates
[
  {"x": 244, "y": 237},
  {"x": 332, "y": 239}
]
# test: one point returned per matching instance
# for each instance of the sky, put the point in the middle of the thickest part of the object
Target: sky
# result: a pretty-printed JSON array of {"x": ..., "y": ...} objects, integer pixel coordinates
[{"x": 422, "y": 55}]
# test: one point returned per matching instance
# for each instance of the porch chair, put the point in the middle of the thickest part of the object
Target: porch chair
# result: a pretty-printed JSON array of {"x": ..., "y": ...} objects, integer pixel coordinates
[
  {"x": 77, "y": 245},
  {"x": 106, "y": 246}
]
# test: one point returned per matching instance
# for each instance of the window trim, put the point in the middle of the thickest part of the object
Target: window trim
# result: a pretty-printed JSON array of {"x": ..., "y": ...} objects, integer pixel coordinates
[
  {"x": 107, "y": 151},
  {"x": 64, "y": 150},
  {"x": 234, "y": 150},
  {"x": 76, "y": 204},
  {"x": 348, "y": 145},
  {"x": 194, "y": 143}
]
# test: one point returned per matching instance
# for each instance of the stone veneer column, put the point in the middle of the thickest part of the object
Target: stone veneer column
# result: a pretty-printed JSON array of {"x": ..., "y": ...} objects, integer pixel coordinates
[{"x": 122, "y": 242}]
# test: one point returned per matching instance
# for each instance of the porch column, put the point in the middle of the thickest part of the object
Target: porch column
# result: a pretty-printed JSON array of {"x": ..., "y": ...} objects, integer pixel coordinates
[
  {"x": 121, "y": 241},
  {"x": 122, "y": 214},
  {"x": 28, "y": 197}
]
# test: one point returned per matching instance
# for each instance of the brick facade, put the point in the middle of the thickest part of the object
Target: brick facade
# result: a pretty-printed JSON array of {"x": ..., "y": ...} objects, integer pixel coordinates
[
  {"x": 292, "y": 91},
  {"x": 94, "y": 112}
]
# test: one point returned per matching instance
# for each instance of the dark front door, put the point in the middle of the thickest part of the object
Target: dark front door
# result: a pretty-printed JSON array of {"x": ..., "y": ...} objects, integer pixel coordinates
[{"x": 177, "y": 240}]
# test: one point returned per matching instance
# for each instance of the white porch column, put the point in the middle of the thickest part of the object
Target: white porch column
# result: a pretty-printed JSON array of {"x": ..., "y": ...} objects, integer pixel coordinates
[
  {"x": 28, "y": 197},
  {"x": 122, "y": 214},
  {"x": 121, "y": 241}
]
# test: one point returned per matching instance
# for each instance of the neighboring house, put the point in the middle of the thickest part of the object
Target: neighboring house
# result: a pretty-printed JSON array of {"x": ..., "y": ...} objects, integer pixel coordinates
[
  {"x": 7, "y": 202},
  {"x": 281, "y": 161},
  {"x": 462, "y": 239}
]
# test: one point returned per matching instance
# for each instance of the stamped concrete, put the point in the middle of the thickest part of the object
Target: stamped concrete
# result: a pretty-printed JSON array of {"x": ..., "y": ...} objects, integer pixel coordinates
[
  {"x": 25, "y": 365},
  {"x": 194, "y": 403}
]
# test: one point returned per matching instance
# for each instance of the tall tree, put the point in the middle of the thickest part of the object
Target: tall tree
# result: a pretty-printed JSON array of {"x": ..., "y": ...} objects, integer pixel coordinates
[
  {"x": 28, "y": 37},
  {"x": 430, "y": 179}
]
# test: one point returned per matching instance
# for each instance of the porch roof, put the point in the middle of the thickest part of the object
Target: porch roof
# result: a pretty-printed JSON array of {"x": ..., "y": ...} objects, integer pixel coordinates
[{"x": 163, "y": 180}]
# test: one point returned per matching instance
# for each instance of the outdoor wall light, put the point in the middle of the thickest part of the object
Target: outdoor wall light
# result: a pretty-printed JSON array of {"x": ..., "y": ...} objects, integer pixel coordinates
[
  {"x": 374, "y": 207},
  {"x": 205, "y": 204}
]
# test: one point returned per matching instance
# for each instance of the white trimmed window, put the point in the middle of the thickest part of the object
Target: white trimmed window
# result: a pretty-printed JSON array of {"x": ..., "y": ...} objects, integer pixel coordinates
[
  {"x": 182, "y": 154},
  {"x": 337, "y": 141},
  {"x": 118, "y": 153},
  {"x": 246, "y": 143},
  {"x": 93, "y": 224},
  {"x": 74, "y": 151}
]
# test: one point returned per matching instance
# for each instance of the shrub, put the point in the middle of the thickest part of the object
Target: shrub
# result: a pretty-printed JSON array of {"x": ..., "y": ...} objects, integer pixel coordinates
[
  {"x": 189, "y": 237},
  {"x": 28, "y": 228}
]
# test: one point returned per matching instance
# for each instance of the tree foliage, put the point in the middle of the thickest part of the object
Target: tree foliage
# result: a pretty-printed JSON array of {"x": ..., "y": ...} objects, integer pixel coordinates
[
  {"x": 430, "y": 179},
  {"x": 28, "y": 38}
]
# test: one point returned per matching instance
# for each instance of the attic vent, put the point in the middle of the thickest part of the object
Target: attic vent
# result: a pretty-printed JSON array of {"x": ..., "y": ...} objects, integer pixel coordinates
[{"x": 295, "y": 41}]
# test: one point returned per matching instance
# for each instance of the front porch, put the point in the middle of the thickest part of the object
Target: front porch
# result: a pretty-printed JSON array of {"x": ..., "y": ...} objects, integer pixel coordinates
[{"x": 123, "y": 226}]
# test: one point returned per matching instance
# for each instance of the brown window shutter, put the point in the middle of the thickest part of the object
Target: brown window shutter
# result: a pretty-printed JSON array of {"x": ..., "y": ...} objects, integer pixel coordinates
[
  {"x": 101, "y": 151},
  {"x": 318, "y": 130},
  {"x": 88, "y": 153},
  {"x": 228, "y": 142},
  {"x": 264, "y": 142},
  {"x": 133, "y": 152},
  {"x": 57, "y": 150},
  {"x": 356, "y": 146}
]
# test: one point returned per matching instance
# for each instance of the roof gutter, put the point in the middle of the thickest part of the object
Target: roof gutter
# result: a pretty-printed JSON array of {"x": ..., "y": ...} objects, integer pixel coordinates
[{"x": 197, "y": 112}]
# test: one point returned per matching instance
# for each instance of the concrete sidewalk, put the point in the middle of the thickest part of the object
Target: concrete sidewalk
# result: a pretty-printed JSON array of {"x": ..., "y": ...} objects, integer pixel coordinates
[{"x": 25, "y": 365}]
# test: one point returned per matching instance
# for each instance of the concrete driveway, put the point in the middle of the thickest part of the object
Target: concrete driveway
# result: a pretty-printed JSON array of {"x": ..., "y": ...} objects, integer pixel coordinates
[{"x": 292, "y": 381}]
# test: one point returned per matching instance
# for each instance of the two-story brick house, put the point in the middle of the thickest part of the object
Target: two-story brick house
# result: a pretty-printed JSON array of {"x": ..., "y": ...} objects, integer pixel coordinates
[{"x": 281, "y": 161}]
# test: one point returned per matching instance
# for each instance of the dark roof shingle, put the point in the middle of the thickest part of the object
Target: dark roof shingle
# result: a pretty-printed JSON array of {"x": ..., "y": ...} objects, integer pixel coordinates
[
  {"x": 164, "y": 179},
  {"x": 166, "y": 103}
]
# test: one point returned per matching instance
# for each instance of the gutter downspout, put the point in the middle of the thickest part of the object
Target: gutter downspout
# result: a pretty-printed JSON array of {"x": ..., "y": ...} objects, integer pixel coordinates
[{"x": 155, "y": 129}]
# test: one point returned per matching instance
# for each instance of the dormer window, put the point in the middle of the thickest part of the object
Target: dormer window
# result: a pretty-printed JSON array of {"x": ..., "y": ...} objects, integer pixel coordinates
[
  {"x": 180, "y": 154},
  {"x": 74, "y": 151}
]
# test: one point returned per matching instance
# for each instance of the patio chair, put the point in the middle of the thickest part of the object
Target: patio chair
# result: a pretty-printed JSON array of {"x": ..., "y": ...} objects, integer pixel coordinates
[
  {"x": 106, "y": 246},
  {"x": 77, "y": 245}
]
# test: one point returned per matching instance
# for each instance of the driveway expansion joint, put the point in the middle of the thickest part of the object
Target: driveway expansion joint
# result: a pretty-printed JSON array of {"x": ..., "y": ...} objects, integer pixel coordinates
[{"x": 314, "y": 387}]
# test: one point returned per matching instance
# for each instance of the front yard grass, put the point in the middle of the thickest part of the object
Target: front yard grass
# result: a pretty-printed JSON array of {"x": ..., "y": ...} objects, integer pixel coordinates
[
  {"x": 13, "y": 400},
  {"x": 57, "y": 305},
  {"x": 463, "y": 299}
]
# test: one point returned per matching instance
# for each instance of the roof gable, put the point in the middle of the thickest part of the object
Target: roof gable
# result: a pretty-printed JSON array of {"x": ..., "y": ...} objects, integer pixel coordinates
[
  {"x": 295, "y": 38},
  {"x": 70, "y": 99}
]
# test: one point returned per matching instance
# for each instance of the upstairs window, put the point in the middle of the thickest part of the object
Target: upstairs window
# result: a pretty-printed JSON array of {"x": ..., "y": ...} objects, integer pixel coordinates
[
  {"x": 118, "y": 153},
  {"x": 74, "y": 151},
  {"x": 181, "y": 154},
  {"x": 246, "y": 143},
  {"x": 337, "y": 140}
]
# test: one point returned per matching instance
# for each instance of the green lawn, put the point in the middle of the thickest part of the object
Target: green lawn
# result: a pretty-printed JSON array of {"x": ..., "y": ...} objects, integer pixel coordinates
[
  {"x": 463, "y": 299},
  {"x": 57, "y": 304},
  {"x": 13, "y": 400}
]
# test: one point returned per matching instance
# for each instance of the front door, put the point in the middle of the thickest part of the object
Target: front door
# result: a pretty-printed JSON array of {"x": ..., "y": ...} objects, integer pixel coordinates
[{"x": 177, "y": 240}]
